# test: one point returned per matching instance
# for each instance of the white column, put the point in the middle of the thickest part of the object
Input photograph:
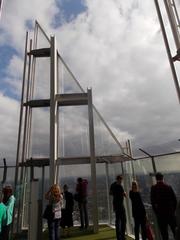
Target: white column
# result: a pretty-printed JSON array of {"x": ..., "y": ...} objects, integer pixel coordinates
[
  {"x": 53, "y": 113},
  {"x": 33, "y": 211},
  {"x": 1, "y": 4},
  {"x": 93, "y": 161},
  {"x": 173, "y": 23},
  {"x": 108, "y": 196}
]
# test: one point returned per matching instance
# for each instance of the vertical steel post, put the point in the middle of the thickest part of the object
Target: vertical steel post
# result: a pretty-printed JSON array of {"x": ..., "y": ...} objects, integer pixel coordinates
[
  {"x": 33, "y": 211},
  {"x": 107, "y": 187},
  {"x": 20, "y": 132},
  {"x": 172, "y": 20},
  {"x": 1, "y": 5},
  {"x": 131, "y": 154},
  {"x": 21, "y": 114},
  {"x": 168, "y": 50},
  {"x": 93, "y": 161},
  {"x": 53, "y": 113}
]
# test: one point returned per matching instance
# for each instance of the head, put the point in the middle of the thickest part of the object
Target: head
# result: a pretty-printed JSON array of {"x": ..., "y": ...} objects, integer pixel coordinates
[
  {"x": 7, "y": 190},
  {"x": 159, "y": 176},
  {"x": 65, "y": 188},
  {"x": 119, "y": 178},
  {"x": 55, "y": 190},
  {"x": 135, "y": 186},
  {"x": 79, "y": 180}
]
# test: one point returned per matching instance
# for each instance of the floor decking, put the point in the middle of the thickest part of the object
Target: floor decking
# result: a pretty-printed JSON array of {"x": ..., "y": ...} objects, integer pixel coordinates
[{"x": 105, "y": 233}]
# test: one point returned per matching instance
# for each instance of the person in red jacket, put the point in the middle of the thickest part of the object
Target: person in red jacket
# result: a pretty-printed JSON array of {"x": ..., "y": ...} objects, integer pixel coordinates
[{"x": 164, "y": 202}]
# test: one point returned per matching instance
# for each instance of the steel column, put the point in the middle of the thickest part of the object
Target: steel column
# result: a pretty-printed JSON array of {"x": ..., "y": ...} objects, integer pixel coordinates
[
  {"x": 168, "y": 49},
  {"x": 53, "y": 112},
  {"x": 93, "y": 161}
]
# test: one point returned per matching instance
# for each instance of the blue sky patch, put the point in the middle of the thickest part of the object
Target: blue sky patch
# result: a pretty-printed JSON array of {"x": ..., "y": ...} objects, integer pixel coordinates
[
  {"x": 68, "y": 10},
  {"x": 30, "y": 24},
  {"x": 6, "y": 53}
]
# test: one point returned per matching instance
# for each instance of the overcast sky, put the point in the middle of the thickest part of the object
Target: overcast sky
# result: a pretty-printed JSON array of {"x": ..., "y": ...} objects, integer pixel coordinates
[{"x": 115, "y": 47}]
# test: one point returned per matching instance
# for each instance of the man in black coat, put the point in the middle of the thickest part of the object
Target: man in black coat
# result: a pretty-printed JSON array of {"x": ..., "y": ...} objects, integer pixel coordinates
[
  {"x": 163, "y": 200},
  {"x": 118, "y": 193},
  {"x": 67, "y": 209}
]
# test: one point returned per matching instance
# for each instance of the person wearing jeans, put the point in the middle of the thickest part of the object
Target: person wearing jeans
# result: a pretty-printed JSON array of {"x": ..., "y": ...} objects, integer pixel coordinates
[
  {"x": 118, "y": 193},
  {"x": 55, "y": 200},
  {"x": 53, "y": 227}
]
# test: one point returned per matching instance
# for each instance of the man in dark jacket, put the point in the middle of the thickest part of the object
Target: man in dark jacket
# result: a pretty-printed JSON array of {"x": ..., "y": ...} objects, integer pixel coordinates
[
  {"x": 118, "y": 193},
  {"x": 163, "y": 200},
  {"x": 81, "y": 192},
  {"x": 67, "y": 210}
]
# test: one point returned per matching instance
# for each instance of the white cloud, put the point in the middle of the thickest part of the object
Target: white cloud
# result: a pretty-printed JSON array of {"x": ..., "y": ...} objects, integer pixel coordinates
[
  {"x": 118, "y": 50},
  {"x": 15, "y": 15},
  {"x": 9, "y": 114},
  {"x": 14, "y": 72}
]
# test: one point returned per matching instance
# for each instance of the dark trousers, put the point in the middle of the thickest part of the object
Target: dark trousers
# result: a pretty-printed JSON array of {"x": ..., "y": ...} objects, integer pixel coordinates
[
  {"x": 53, "y": 227},
  {"x": 5, "y": 232},
  {"x": 83, "y": 214},
  {"x": 163, "y": 223},
  {"x": 137, "y": 224},
  {"x": 120, "y": 223}
]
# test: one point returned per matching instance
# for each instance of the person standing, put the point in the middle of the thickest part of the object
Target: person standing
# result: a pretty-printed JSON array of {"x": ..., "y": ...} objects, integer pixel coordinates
[
  {"x": 118, "y": 193},
  {"x": 67, "y": 209},
  {"x": 138, "y": 211},
  {"x": 54, "y": 197},
  {"x": 81, "y": 193},
  {"x": 164, "y": 202},
  {"x": 2, "y": 217},
  {"x": 9, "y": 201}
]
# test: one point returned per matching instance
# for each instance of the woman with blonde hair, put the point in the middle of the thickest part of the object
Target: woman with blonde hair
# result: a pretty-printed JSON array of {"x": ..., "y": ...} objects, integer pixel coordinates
[
  {"x": 54, "y": 196},
  {"x": 138, "y": 211}
]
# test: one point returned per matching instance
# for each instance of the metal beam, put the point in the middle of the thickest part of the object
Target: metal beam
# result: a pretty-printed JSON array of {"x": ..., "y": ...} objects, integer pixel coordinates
[
  {"x": 53, "y": 112},
  {"x": 93, "y": 161},
  {"x": 42, "y": 162},
  {"x": 73, "y": 99},
  {"x": 168, "y": 49}
]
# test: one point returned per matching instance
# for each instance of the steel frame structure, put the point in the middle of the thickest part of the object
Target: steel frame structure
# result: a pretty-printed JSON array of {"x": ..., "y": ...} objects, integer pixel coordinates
[
  {"x": 28, "y": 103},
  {"x": 174, "y": 21}
]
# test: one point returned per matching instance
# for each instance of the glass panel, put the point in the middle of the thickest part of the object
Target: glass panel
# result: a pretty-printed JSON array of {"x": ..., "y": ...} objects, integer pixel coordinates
[
  {"x": 40, "y": 133},
  {"x": 105, "y": 144},
  {"x": 169, "y": 165},
  {"x": 67, "y": 82},
  {"x": 42, "y": 40},
  {"x": 73, "y": 131},
  {"x": 42, "y": 78},
  {"x": 102, "y": 193},
  {"x": 24, "y": 190}
]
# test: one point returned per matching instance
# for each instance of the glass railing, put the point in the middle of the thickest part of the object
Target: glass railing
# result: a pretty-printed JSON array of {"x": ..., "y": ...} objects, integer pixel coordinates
[{"x": 106, "y": 173}]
